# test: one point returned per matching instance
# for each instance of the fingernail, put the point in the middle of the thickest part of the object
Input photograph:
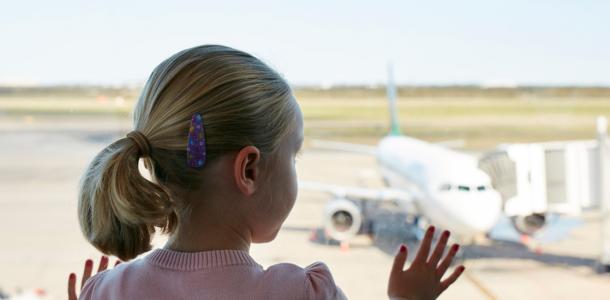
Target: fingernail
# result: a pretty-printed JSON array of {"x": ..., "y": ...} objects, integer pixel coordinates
[
  {"x": 88, "y": 263},
  {"x": 462, "y": 268},
  {"x": 403, "y": 248},
  {"x": 446, "y": 233},
  {"x": 455, "y": 247},
  {"x": 72, "y": 276},
  {"x": 104, "y": 258}
]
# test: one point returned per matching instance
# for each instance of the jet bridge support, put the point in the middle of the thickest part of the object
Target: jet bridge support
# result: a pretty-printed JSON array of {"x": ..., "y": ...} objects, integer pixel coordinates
[{"x": 604, "y": 192}]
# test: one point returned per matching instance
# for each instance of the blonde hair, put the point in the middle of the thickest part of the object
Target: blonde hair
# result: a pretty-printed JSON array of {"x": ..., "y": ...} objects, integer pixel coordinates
[{"x": 243, "y": 102}]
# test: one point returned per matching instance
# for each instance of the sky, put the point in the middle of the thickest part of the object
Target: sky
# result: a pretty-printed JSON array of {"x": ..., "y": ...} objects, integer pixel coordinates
[{"x": 313, "y": 42}]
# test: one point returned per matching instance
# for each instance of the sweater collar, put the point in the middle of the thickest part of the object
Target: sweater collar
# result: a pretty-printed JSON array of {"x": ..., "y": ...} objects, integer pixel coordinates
[{"x": 190, "y": 261}]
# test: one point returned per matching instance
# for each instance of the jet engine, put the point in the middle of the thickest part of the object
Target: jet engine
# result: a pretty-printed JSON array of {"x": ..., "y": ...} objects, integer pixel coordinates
[
  {"x": 342, "y": 219},
  {"x": 529, "y": 224}
]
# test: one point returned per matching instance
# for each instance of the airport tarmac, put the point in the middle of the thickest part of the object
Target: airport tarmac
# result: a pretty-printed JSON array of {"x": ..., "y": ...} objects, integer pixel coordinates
[{"x": 41, "y": 243}]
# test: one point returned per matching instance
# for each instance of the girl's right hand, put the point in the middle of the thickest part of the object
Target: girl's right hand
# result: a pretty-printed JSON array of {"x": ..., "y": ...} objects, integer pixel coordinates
[
  {"x": 87, "y": 272},
  {"x": 422, "y": 280}
]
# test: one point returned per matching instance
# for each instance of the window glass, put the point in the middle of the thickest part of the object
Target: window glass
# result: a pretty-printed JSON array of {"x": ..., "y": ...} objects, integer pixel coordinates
[{"x": 485, "y": 119}]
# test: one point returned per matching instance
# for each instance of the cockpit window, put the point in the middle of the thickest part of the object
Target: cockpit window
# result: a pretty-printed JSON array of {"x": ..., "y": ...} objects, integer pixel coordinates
[
  {"x": 463, "y": 188},
  {"x": 445, "y": 187}
]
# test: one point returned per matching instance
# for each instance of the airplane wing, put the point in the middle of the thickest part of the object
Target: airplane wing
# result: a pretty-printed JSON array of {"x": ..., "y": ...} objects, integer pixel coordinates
[
  {"x": 345, "y": 147},
  {"x": 371, "y": 150},
  {"x": 399, "y": 197}
]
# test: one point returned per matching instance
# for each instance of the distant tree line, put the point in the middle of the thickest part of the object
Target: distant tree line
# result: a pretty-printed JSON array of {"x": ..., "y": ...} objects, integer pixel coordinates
[
  {"x": 459, "y": 91},
  {"x": 73, "y": 91},
  {"x": 455, "y": 91}
]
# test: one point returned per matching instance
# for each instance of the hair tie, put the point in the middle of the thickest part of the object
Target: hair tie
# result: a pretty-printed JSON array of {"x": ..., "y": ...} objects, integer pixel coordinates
[
  {"x": 196, "y": 146},
  {"x": 141, "y": 142}
]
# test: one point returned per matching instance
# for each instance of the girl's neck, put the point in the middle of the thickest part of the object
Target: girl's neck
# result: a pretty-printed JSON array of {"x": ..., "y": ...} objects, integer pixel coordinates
[{"x": 211, "y": 222}]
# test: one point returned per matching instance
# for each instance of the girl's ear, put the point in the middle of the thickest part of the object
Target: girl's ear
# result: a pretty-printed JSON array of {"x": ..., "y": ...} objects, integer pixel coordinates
[{"x": 246, "y": 169}]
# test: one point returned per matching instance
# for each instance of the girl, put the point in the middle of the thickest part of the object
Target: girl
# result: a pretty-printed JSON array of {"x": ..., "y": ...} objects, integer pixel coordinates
[{"x": 219, "y": 131}]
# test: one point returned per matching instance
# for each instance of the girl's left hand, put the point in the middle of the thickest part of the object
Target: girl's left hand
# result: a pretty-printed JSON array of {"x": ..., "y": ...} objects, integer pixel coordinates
[
  {"x": 87, "y": 272},
  {"x": 423, "y": 280}
]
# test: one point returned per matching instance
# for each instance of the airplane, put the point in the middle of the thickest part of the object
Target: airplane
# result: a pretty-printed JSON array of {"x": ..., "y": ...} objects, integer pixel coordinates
[{"x": 424, "y": 180}]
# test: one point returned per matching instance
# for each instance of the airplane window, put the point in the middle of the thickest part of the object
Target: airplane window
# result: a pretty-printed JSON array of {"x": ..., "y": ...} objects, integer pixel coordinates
[{"x": 385, "y": 148}]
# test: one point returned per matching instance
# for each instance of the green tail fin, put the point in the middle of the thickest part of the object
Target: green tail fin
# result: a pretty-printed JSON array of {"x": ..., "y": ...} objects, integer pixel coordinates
[{"x": 391, "y": 94}]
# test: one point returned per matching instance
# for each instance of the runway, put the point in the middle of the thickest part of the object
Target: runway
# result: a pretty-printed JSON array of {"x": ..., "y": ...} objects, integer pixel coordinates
[{"x": 40, "y": 241}]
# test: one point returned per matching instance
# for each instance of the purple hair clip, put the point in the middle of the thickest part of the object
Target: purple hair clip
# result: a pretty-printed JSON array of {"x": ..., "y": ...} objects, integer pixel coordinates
[{"x": 196, "y": 148}]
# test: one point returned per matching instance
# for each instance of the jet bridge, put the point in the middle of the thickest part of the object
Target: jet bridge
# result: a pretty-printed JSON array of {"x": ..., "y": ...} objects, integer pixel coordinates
[
  {"x": 537, "y": 178},
  {"x": 556, "y": 177}
]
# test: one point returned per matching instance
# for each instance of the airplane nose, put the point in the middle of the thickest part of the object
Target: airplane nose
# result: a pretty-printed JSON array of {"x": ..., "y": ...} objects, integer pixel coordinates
[
  {"x": 484, "y": 212},
  {"x": 470, "y": 213}
]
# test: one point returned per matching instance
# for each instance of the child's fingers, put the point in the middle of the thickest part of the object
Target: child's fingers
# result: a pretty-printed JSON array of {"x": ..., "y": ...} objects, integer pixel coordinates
[
  {"x": 424, "y": 248},
  {"x": 72, "y": 287},
  {"x": 103, "y": 264},
  {"x": 117, "y": 262},
  {"x": 440, "y": 248},
  {"x": 399, "y": 260},
  {"x": 451, "y": 279},
  {"x": 87, "y": 272},
  {"x": 446, "y": 262}
]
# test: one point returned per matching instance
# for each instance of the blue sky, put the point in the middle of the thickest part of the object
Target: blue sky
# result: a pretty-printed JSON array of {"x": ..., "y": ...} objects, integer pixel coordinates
[{"x": 313, "y": 42}]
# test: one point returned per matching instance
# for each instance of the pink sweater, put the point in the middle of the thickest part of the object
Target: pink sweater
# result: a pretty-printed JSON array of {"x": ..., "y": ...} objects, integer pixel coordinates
[{"x": 221, "y": 274}]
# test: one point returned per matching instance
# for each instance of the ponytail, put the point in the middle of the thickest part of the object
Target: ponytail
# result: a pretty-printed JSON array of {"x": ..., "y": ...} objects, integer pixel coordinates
[{"x": 119, "y": 208}]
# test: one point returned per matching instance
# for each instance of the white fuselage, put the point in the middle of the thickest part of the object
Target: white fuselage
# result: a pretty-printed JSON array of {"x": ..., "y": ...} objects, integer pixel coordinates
[{"x": 449, "y": 188}]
